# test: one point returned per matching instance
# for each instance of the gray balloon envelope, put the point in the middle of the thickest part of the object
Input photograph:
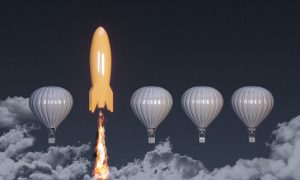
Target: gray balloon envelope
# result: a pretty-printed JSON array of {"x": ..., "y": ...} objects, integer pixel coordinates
[
  {"x": 151, "y": 105},
  {"x": 252, "y": 104},
  {"x": 51, "y": 105},
  {"x": 202, "y": 104}
]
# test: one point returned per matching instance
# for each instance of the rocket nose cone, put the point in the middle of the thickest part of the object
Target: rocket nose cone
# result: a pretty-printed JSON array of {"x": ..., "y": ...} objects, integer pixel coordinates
[{"x": 100, "y": 30}]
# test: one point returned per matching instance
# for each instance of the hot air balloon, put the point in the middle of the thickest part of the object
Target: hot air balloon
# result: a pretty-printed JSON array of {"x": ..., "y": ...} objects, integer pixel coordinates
[
  {"x": 202, "y": 104},
  {"x": 151, "y": 105},
  {"x": 252, "y": 105},
  {"x": 51, "y": 105}
]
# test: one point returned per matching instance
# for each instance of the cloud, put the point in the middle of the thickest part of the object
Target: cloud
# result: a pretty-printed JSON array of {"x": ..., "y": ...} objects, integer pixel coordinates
[
  {"x": 163, "y": 164},
  {"x": 14, "y": 111},
  {"x": 57, "y": 163},
  {"x": 68, "y": 162}
]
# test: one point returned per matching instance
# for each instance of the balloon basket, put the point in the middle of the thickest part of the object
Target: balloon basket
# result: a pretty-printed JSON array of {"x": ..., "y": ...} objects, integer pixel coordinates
[
  {"x": 202, "y": 132},
  {"x": 151, "y": 135},
  {"x": 151, "y": 140},
  {"x": 251, "y": 139},
  {"x": 51, "y": 140},
  {"x": 251, "y": 132},
  {"x": 201, "y": 139}
]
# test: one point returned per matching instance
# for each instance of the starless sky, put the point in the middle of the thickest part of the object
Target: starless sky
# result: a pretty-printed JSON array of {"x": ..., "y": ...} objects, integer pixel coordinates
[{"x": 176, "y": 45}]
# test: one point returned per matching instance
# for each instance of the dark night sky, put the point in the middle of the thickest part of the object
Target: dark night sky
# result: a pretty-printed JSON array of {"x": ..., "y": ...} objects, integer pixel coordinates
[{"x": 175, "y": 45}]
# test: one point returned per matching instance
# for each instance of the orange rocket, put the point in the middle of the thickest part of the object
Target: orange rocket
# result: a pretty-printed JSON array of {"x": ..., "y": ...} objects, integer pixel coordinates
[{"x": 100, "y": 94}]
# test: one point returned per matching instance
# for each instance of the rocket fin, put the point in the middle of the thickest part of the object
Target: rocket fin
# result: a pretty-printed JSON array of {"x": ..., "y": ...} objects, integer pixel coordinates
[
  {"x": 109, "y": 99},
  {"x": 92, "y": 100},
  {"x": 100, "y": 98}
]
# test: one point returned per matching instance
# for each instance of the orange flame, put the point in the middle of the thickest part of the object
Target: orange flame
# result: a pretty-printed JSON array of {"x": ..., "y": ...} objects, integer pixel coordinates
[{"x": 101, "y": 168}]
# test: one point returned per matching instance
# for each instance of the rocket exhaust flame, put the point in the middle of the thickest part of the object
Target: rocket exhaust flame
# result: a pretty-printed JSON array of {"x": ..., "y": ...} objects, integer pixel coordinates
[{"x": 101, "y": 168}]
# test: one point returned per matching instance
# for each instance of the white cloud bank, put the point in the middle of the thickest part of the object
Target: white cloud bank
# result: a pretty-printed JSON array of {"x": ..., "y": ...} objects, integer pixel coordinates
[
  {"x": 163, "y": 164},
  {"x": 14, "y": 111},
  {"x": 57, "y": 163},
  {"x": 68, "y": 163}
]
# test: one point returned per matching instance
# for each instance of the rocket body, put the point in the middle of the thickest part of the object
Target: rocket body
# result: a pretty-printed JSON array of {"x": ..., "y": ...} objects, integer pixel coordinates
[{"x": 100, "y": 95}]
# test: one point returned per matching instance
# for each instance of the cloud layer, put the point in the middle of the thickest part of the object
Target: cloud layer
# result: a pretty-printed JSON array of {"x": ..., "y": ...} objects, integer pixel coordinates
[
  {"x": 163, "y": 164},
  {"x": 57, "y": 163},
  {"x": 14, "y": 111},
  {"x": 69, "y": 162}
]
